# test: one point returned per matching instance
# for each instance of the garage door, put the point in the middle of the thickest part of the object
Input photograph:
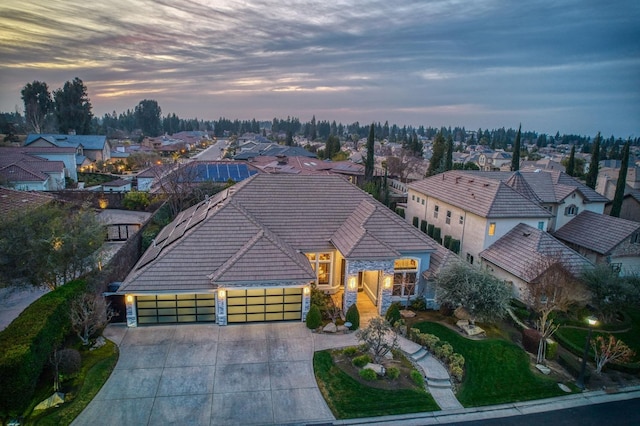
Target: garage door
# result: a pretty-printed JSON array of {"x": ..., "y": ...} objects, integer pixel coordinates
[
  {"x": 273, "y": 304},
  {"x": 172, "y": 308}
]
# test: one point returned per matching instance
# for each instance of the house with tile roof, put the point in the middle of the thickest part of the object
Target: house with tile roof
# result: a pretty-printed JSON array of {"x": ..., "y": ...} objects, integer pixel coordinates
[
  {"x": 14, "y": 202},
  {"x": 605, "y": 240},
  {"x": 475, "y": 209},
  {"x": 93, "y": 147},
  {"x": 22, "y": 169},
  {"x": 252, "y": 251},
  {"x": 606, "y": 185},
  {"x": 525, "y": 253}
]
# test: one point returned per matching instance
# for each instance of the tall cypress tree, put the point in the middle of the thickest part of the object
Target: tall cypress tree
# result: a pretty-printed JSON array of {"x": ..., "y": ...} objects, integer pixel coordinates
[
  {"x": 515, "y": 160},
  {"x": 622, "y": 182},
  {"x": 571, "y": 163},
  {"x": 592, "y": 176},
  {"x": 448, "y": 164},
  {"x": 436, "y": 163},
  {"x": 369, "y": 163}
]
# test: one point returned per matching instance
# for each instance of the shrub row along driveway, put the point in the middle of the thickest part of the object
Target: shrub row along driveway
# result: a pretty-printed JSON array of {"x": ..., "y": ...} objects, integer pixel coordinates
[{"x": 210, "y": 375}]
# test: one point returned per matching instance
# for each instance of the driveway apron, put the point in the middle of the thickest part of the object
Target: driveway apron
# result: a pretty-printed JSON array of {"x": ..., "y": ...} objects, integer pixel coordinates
[{"x": 200, "y": 374}]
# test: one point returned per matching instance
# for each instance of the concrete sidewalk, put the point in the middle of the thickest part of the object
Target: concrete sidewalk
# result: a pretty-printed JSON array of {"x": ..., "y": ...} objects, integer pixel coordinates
[{"x": 500, "y": 411}]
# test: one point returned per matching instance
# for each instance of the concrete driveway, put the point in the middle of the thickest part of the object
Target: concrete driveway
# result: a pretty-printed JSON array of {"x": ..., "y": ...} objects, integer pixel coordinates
[{"x": 209, "y": 375}]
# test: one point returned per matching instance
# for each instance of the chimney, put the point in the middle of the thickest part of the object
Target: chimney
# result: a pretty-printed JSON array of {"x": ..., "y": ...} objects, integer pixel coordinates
[{"x": 282, "y": 159}]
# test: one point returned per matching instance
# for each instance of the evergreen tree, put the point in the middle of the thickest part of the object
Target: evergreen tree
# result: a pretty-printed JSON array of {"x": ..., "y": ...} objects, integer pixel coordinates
[
  {"x": 147, "y": 115},
  {"x": 622, "y": 182},
  {"x": 571, "y": 164},
  {"x": 592, "y": 176},
  {"x": 515, "y": 160},
  {"x": 37, "y": 104},
  {"x": 436, "y": 163},
  {"x": 313, "y": 132},
  {"x": 448, "y": 164},
  {"x": 289, "y": 141},
  {"x": 73, "y": 108},
  {"x": 370, "y": 161}
]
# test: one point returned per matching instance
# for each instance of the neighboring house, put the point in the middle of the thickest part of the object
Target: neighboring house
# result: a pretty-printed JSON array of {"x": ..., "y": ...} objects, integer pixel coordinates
[
  {"x": 604, "y": 240},
  {"x": 94, "y": 147},
  {"x": 440, "y": 259},
  {"x": 524, "y": 254},
  {"x": 494, "y": 161},
  {"x": 252, "y": 251},
  {"x": 273, "y": 150},
  {"x": 283, "y": 164},
  {"x": 606, "y": 185},
  {"x": 25, "y": 171},
  {"x": 542, "y": 164},
  {"x": 66, "y": 155},
  {"x": 147, "y": 178},
  {"x": 473, "y": 208},
  {"x": 118, "y": 185},
  {"x": 14, "y": 202}
]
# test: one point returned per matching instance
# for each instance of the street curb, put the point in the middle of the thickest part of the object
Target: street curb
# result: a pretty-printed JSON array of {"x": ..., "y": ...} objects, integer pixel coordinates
[{"x": 503, "y": 410}]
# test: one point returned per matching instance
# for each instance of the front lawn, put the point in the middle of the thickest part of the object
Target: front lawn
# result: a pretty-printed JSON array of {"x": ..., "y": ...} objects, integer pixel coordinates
[
  {"x": 347, "y": 398},
  {"x": 97, "y": 366},
  {"x": 496, "y": 371}
]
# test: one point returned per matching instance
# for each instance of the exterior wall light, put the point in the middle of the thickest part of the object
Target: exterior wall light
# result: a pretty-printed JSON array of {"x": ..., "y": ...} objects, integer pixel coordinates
[
  {"x": 222, "y": 294},
  {"x": 306, "y": 291},
  {"x": 387, "y": 282},
  {"x": 129, "y": 298},
  {"x": 352, "y": 283}
]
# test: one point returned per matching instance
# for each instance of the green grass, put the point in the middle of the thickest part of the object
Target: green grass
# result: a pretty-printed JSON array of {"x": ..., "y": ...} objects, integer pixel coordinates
[
  {"x": 97, "y": 366},
  {"x": 496, "y": 371},
  {"x": 349, "y": 399},
  {"x": 577, "y": 337}
]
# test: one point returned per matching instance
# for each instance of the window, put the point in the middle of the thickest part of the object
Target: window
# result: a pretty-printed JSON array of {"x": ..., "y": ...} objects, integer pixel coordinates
[
  {"x": 321, "y": 264},
  {"x": 448, "y": 219},
  {"x": 418, "y": 200},
  {"x": 423, "y": 201},
  {"x": 436, "y": 209},
  {"x": 461, "y": 220},
  {"x": 413, "y": 197},
  {"x": 572, "y": 210},
  {"x": 541, "y": 225},
  {"x": 470, "y": 258},
  {"x": 492, "y": 228},
  {"x": 635, "y": 238},
  {"x": 405, "y": 275}
]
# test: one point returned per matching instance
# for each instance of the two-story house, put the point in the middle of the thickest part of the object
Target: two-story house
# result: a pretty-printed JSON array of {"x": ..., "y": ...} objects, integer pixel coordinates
[
  {"x": 91, "y": 147},
  {"x": 474, "y": 208}
]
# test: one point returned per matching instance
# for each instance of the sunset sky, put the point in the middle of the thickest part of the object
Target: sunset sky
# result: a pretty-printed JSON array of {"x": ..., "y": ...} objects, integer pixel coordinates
[{"x": 556, "y": 65}]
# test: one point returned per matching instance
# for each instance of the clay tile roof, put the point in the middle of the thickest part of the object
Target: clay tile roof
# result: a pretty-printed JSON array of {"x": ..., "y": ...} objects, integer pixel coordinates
[
  {"x": 523, "y": 248},
  {"x": 15, "y": 202},
  {"x": 597, "y": 232}
]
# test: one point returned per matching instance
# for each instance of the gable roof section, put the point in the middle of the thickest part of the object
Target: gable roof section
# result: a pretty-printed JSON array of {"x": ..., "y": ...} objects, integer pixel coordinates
[
  {"x": 521, "y": 251},
  {"x": 597, "y": 232},
  {"x": 258, "y": 230},
  {"x": 479, "y": 194},
  {"x": 15, "y": 202},
  {"x": 90, "y": 142}
]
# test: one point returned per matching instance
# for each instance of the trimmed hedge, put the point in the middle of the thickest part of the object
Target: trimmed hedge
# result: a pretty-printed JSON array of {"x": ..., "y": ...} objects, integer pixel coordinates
[
  {"x": 27, "y": 343},
  {"x": 314, "y": 317}
]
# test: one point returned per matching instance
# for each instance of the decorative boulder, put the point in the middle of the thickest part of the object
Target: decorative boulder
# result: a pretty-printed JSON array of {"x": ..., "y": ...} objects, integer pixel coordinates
[{"x": 330, "y": 328}]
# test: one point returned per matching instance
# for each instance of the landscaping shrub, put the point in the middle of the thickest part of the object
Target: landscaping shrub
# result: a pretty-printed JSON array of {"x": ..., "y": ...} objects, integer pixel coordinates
[
  {"x": 314, "y": 317},
  {"x": 431, "y": 341},
  {"x": 456, "y": 360},
  {"x": 419, "y": 304},
  {"x": 361, "y": 361},
  {"x": 350, "y": 351},
  {"x": 368, "y": 374},
  {"x": 456, "y": 372},
  {"x": 27, "y": 343},
  {"x": 136, "y": 200},
  {"x": 417, "y": 378},
  {"x": 353, "y": 316},
  {"x": 531, "y": 340},
  {"x": 415, "y": 221},
  {"x": 393, "y": 313},
  {"x": 444, "y": 351},
  {"x": 552, "y": 350},
  {"x": 423, "y": 226},
  {"x": 454, "y": 246},
  {"x": 393, "y": 373}
]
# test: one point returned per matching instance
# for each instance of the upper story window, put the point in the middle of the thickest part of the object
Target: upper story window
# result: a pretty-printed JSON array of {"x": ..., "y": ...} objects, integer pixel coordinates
[
  {"x": 541, "y": 225},
  {"x": 448, "y": 219},
  {"x": 461, "y": 220},
  {"x": 413, "y": 197},
  {"x": 321, "y": 264},
  {"x": 470, "y": 258},
  {"x": 423, "y": 201},
  {"x": 635, "y": 238},
  {"x": 492, "y": 228},
  {"x": 436, "y": 209},
  {"x": 571, "y": 210}
]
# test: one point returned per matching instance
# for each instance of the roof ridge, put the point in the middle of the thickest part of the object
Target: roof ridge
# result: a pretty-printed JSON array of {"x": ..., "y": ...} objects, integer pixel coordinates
[{"x": 237, "y": 255}]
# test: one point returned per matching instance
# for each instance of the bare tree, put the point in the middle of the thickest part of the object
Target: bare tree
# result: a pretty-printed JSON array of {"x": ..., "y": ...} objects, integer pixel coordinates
[
  {"x": 553, "y": 289},
  {"x": 379, "y": 338},
  {"x": 89, "y": 313},
  {"x": 64, "y": 361},
  {"x": 610, "y": 349}
]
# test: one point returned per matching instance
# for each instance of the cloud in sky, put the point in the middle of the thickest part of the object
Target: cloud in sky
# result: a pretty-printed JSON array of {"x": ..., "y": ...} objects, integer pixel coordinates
[{"x": 572, "y": 66}]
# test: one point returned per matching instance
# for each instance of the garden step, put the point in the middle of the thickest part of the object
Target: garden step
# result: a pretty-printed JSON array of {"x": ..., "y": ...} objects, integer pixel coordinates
[
  {"x": 438, "y": 383},
  {"x": 419, "y": 354}
]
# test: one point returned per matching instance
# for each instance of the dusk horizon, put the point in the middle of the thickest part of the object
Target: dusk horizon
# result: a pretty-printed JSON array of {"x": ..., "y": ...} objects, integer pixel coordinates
[{"x": 571, "y": 68}]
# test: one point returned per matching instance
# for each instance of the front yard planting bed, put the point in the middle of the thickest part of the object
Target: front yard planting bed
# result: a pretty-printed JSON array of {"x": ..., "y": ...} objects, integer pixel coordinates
[
  {"x": 496, "y": 371},
  {"x": 349, "y": 398}
]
